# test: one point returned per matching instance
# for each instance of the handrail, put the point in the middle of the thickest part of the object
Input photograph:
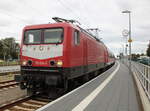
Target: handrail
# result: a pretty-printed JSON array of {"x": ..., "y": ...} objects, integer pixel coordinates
[{"x": 143, "y": 76}]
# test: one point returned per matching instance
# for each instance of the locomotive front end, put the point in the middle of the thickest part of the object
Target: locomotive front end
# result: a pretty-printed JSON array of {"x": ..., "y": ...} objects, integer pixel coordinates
[{"x": 41, "y": 59}]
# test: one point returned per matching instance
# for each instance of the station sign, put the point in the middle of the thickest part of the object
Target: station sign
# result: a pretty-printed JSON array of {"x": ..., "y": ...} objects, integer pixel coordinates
[{"x": 130, "y": 40}]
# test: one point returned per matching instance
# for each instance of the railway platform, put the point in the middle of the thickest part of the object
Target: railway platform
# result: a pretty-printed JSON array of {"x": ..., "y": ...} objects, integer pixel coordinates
[{"x": 113, "y": 90}]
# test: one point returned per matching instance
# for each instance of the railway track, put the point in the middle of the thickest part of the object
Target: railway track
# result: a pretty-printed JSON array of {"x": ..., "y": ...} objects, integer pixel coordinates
[
  {"x": 28, "y": 103},
  {"x": 25, "y": 104},
  {"x": 7, "y": 73},
  {"x": 8, "y": 84}
]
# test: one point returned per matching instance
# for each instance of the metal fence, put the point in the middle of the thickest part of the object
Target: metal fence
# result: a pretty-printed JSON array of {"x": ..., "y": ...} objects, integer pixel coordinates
[
  {"x": 7, "y": 69},
  {"x": 143, "y": 74}
]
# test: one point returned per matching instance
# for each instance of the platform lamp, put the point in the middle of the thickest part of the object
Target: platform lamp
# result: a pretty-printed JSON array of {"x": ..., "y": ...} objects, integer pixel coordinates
[{"x": 129, "y": 40}]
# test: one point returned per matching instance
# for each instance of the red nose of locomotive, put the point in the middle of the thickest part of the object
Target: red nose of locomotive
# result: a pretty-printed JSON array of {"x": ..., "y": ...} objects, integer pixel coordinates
[{"x": 42, "y": 47}]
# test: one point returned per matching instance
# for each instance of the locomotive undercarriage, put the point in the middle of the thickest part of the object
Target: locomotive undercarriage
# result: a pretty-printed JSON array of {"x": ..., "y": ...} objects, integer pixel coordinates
[
  {"x": 54, "y": 81},
  {"x": 50, "y": 82}
]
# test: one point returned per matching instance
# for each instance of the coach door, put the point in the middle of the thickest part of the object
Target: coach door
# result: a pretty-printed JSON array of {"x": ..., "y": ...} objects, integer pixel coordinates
[
  {"x": 105, "y": 56},
  {"x": 85, "y": 56}
]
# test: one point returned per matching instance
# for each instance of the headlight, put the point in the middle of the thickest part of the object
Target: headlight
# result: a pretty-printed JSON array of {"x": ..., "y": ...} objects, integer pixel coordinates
[
  {"x": 59, "y": 63},
  {"x": 29, "y": 63},
  {"x": 24, "y": 63},
  {"x": 52, "y": 63}
]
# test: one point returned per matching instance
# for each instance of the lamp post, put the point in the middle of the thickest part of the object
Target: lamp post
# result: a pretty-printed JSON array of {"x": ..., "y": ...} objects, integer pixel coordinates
[
  {"x": 125, "y": 34},
  {"x": 130, "y": 40}
]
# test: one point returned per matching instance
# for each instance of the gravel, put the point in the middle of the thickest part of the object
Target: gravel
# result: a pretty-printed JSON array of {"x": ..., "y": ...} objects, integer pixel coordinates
[{"x": 10, "y": 94}]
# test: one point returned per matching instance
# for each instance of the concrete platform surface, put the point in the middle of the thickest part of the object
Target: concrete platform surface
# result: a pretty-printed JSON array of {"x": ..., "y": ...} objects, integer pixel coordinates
[{"x": 114, "y": 90}]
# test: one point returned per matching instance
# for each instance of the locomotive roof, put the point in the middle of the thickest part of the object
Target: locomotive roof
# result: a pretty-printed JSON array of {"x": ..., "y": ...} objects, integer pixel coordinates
[{"x": 60, "y": 24}]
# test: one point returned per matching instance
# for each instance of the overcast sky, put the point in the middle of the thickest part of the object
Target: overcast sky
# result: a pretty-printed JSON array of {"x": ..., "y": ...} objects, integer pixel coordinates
[{"x": 103, "y": 14}]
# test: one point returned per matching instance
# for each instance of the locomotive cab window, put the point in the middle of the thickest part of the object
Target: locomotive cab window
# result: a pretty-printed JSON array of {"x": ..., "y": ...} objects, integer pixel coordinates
[
  {"x": 76, "y": 37},
  {"x": 53, "y": 35},
  {"x": 32, "y": 37}
]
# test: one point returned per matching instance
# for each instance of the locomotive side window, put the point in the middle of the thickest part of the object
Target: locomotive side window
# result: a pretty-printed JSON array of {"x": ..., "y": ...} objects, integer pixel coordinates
[
  {"x": 53, "y": 35},
  {"x": 32, "y": 37},
  {"x": 76, "y": 37}
]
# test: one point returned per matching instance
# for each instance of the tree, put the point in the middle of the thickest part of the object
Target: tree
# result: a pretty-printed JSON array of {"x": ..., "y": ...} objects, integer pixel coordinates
[
  {"x": 148, "y": 50},
  {"x": 8, "y": 49},
  {"x": 142, "y": 54},
  {"x": 135, "y": 56}
]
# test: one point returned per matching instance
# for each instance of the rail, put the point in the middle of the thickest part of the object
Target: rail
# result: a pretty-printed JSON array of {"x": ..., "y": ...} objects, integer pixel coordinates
[{"x": 143, "y": 76}]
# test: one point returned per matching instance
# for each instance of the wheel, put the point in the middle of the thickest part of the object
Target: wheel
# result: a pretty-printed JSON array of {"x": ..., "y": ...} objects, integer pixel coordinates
[
  {"x": 96, "y": 73},
  {"x": 85, "y": 78},
  {"x": 22, "y": 86},
  {"x": 65, "y": 85},
  {"x": 30, "y": 92}
]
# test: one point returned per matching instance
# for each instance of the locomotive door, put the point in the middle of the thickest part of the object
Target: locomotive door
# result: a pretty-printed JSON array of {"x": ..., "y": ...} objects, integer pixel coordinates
[
  {"x": 85, "y": 56},
  {"x": 106, "y": 56}
]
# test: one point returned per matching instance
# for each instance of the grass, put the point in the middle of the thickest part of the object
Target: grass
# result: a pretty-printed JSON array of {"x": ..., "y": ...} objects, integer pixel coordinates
[
  {"x": 7, "y": 77},
  {"x": 9, "y": 63}
]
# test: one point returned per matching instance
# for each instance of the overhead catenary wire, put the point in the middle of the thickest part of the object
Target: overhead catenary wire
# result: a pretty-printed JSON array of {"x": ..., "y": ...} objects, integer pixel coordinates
[
  {"x": 18, "y": 18},
  {"x": 83, "y": 6},
  {"x": 95, "y": 30},
  {"x": 60, "y": 1},
  {"x": 36, "y": 10},
  {"x": 11, "y": 15},
  {"x": 83, "y": 17},
  {"x": 72, "y": 11}
]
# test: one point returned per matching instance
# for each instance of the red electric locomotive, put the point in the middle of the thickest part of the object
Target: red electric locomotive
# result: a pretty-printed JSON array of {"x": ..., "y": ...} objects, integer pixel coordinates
[{"x": 52, "y": 54}]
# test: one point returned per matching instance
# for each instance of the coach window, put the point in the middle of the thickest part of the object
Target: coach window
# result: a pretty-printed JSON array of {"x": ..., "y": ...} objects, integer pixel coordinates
[{"x": 76, "y": 37}]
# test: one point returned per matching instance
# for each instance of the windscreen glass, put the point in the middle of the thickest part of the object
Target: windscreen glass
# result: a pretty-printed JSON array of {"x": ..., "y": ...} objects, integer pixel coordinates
[
  {"x": 32, "y": 37},
  {"x": 53, "y": 35}
]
